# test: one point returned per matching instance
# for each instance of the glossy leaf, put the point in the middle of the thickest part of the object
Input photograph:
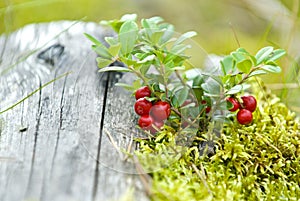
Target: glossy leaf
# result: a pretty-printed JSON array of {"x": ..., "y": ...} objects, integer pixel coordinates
[
  {"x": 147, "y": 59},
  {"x": 129, "y": 17},
  {"x": 185, "y": 36},
  {"x": 179, "y": 49},
  {"x": 125, "y": 86},
  {"x": 103, "y": 62},
  {"x": 156, "y": 36},
  {"x": 127, "y": 36},
  {"x": 238, "y": 56},
  {"x": 114, "y": 24},
  {"x": 93, "y": 39},
  {"x": 234, "y": 90},
  {"x": 244, "y": 66},
  {"x": 271, "y": 68},
  {"x": 212, "y": 87},
  {"x": 257, "y": 72},
  {"x": 114, "y": 49},
  {"x": 263, "y": 54},
  {"x": 227, "y": 64},
  {"x": 192, "y": 73},
  {"x": 242, "y": 50},
  {"x": 277, "y": 54},
  {"x": 168, "y": 34},
  {"x": 181, "y": 95},
  {"x": 111, "y": 40},
  {"x": 114, "y": 68},
  {"x": 102, "y": 51}
]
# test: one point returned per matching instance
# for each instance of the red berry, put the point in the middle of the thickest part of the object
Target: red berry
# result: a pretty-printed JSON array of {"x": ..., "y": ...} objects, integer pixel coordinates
[
  {"x": 145, "y": 122},
  {"x": 207, "y": 107},
  {"x": 142, "y": 106},
  {"x": 160, "y": 110},
  {"x": 249, "y": 103},
  {"x": 142, "y": 92},
  {"x": 244, "y": 116},
  {"x": 203, "y": 102},
  {"x": 235, "y": 104}
]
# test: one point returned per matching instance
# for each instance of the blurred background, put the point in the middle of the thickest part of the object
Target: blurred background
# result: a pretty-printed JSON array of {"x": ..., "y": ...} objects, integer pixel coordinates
[{"x": 222, "y": 26}]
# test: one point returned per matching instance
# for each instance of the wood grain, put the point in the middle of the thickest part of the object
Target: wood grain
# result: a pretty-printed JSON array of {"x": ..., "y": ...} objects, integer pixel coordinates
[{"x": 62, "y": 143}]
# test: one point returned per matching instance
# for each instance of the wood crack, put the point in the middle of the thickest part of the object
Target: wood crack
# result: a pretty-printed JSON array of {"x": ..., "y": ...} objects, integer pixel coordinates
[
  {"x": 61, "y": 106},
  {"x": 36, "y": 133},
  {"x": 96, "y": 176}
]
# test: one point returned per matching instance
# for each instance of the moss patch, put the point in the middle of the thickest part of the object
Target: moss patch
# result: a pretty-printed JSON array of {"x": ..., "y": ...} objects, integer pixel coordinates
[{"x": 256, "y": 162}]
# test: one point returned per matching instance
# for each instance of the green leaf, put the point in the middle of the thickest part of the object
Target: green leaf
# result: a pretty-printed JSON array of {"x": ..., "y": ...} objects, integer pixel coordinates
[
  {"x": 179, "y": 68},
  {"x": 102, "y": 51},
  {"x": 257, "y": 72},
  {"x": 111, "y": 40},
  {"x": 192, "y": 74},
  {"x": 128, "y": 36},
  {"x": 242, "y": 50},
  {"x": 212, "y": 87},
  {"x": 131, "y": 62},
  {"x": 129, "y": 17},
  {"x": 156, "y": 36},
  {"x": 93, "y": 39},
  {"x": 197, "y": 81},
  {"x": 263, "y": 54},
  {"x": 114, "y": 49},
  {"x": 271, "y": 68},
  {"x": 156, "y": 19},
  {"x": 238, "y": 56},
  {"x": 137, "y": 84},
  {"x": 179, "y": 49},
  {"x": 99, "y": 48},
  {"x": 147, "y": 59},
  {"x": 277, "y": 54},
  {"x": 148, "y": 27},
  {"x": 182, "y": 95},
  {"x": 115, "y": 68},
  {"x": 168, "y": 34},
  {"x": 234, "y": 90},
  {"x": 103, "y": 62},
  {"x": 245, "y": 66},
  {"x": 228, "y": 65},
  {"x": 185, "y": 36},
  {"x": 114, "y": 24},
  {"x": 144, "y": 68},
  {"x": 125, "y": 86}
]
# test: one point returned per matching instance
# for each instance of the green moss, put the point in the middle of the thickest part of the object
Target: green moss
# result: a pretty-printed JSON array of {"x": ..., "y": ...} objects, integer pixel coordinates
[{"x": 255, "y": 162}]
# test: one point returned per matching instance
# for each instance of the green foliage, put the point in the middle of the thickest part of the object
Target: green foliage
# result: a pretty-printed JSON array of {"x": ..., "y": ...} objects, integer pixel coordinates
[
  {"x": 256, "y": 162},
  {"x": 152, "y": 44}
]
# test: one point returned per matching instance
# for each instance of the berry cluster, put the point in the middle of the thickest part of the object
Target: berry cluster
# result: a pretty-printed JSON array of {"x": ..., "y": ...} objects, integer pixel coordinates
[
  {"x": 152, "y": 115},
  {"x": 246, "y": 108}
]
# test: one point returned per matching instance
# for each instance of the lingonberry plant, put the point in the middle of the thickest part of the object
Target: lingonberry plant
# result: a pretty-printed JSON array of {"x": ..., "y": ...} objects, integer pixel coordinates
[{"x": 173, "y": 92}]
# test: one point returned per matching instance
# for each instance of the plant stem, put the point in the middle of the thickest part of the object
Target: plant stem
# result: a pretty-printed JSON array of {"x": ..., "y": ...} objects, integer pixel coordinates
[{"x": 247, "y": 75}]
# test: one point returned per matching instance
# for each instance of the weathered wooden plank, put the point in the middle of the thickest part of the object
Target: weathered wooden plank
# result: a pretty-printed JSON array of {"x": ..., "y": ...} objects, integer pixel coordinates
[
  {"x": 54, "y": 145},
  {"x": 120, "y": 128}
]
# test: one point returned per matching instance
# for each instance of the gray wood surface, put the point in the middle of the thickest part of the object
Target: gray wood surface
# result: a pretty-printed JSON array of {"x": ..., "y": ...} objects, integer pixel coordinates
[{"x": 64, "y": 142}]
